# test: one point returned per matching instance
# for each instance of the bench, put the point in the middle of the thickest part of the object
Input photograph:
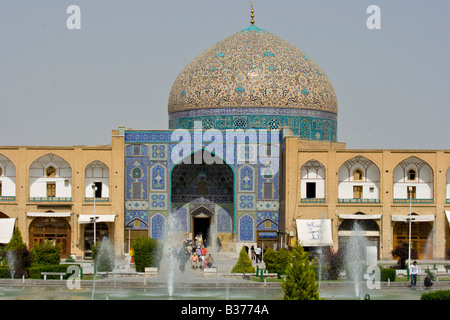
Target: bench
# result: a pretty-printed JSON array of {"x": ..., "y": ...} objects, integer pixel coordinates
[{"x": 60, "y": 274}]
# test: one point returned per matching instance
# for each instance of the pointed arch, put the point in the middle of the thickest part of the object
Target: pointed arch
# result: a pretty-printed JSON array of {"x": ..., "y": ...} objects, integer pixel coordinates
[
  {"x": 312, "y": 181},
  {"x": 246, "y": 228},
  {"x": 177, "y": 183},
  {"x": 359, "y": 180},
  {"x": 7, "y": 179},
  {"x": 96, "y": 173},
  {"x": 158, "y": 226},
  {"x": 413, "y": 178},
  {"x": 46, "y": 184}
]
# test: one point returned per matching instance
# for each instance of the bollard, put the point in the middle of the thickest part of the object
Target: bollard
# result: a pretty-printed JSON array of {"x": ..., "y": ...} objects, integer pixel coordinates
[
  {"x": 262, "y": 274},
  {"x": 257, "y": 271}
]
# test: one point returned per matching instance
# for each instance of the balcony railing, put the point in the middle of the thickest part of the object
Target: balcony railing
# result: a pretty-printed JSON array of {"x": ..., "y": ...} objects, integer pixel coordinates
[
  {"x": 407, "y": 200},
  {"x": 91, "y": 199},
  {"x": 52, "y": 199},
  {"x": 7, "y": 198},
  {"x": 358, "y": 200},
  {"x": 312, "y": 200}
]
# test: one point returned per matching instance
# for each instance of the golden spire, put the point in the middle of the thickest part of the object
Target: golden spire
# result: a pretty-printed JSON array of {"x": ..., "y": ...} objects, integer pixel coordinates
[{"x": 252, "y": 15}]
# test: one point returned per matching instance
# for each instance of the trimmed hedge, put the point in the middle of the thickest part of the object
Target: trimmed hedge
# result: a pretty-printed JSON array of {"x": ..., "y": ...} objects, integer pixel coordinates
[
  {"x": 35, "y": 272},
  {"x": 387, "y": 273},
  {"x": 436, "y": 295},
  {"x": 147, "y": 253},
  {"x": 4, "y": 273},
  {"x": 276, "y": 261}
]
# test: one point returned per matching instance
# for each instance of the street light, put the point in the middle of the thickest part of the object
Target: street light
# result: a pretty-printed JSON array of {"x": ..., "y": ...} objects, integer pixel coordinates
[
  {"x": 409, "y": 242},
  {"x": 94, "y": 219}
]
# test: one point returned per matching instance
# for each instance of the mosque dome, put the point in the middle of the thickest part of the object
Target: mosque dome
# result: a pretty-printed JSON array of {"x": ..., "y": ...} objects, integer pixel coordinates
[{"x": 254, "y": 79}]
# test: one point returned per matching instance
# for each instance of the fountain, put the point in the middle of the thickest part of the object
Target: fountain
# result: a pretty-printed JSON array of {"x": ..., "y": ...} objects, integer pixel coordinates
[
  {"x": 355, "y": 257},
  {"x": 12, "y": 262},
  {"x": 106, "y": 256},
  {"x": 173, "y": 244}
]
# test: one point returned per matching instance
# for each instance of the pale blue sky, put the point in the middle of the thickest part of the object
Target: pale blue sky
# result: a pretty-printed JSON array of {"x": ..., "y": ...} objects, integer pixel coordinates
[{"x": 72, "y": 87}]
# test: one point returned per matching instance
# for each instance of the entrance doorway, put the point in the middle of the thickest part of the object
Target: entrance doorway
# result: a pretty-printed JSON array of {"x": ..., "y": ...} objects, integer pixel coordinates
[
  {"x": 421, "y": 238},
  {"x": 201, "y": 223},
  {"x": 51, "y": 228}
]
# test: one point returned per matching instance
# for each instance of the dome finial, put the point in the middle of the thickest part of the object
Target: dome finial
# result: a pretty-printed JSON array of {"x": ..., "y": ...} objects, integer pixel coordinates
[{"x": 252, "y": 15}]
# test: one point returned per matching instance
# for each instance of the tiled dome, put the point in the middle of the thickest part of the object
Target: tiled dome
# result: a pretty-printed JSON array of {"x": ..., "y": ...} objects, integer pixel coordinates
[{"x": 252, "y": 73}]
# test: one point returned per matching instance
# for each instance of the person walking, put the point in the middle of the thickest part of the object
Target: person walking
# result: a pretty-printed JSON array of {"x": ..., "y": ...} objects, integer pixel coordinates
[{"x": 413, "y": 270}]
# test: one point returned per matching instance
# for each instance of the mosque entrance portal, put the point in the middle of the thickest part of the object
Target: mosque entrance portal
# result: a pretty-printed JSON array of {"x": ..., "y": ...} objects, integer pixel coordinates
[{"x": 205, "y": 192}]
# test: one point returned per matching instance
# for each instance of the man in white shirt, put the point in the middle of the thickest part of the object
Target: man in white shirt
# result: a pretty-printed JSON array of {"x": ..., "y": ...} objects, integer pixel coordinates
[
  {"x": 258, "y": 254},
  {"x": 413, "y": 270}
]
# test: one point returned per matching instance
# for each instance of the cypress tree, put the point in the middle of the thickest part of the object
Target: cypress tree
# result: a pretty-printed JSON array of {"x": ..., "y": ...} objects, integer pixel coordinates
[
  {"x": 244, "y": 264},
  {"x": 300, "y": 281}
]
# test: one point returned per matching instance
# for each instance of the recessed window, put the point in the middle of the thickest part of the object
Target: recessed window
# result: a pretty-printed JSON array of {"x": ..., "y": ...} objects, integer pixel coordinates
[
  {"x": 267, "y": 191},
  {"x": 50, "y": 172},
  {"x": 310, "y": 190},
  {"x": 357, "y": 175},
  {"x": 202, "y": 188},
  {"x": 98, "y": 189},
  {"x": 411, "y": 174},
  {"x": 136, "y": 190},
  {"x": 1, "y": 171}
]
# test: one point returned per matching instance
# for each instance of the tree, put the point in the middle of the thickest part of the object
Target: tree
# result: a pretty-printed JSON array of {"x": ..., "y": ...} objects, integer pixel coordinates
[
  {"x": 17, "y": 255},
  {"x": 244, "y": 264},
  {"x": 401, "y": 252},
  {"x": 300, "y": 283},
  {"x": 335, "y": 264}
]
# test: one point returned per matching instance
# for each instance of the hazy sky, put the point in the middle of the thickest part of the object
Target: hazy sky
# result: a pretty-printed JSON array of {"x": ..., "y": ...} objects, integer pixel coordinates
[{"x": 72, "y": 87}]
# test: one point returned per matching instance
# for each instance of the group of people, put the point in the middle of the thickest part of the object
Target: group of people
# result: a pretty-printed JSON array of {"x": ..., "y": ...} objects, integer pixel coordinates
[
  {"x": 413, "y": 271},
  {"x": 197, "y": 250},
  {"x": 256, "y": 253}
]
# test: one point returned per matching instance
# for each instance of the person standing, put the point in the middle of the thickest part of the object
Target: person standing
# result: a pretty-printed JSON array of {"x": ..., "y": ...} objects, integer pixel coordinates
[
  {"x": 258, "y": 254},
  {"x": 252, "y": 250},
  {"x": 413, "y": 270}
]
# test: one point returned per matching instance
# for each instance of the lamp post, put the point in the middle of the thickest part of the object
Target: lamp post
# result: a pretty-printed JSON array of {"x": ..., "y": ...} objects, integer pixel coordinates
[
  {"x": 94, "y": 189},
  {"x": 409, "y": 242}
]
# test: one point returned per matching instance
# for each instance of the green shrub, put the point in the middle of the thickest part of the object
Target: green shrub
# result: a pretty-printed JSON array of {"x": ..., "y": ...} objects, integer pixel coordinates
[
  {"x": 46, "y": 253},
  {"x": 387, "y": 273},
  {"x": 147, "y": 253},
  {"x": 436, "y": 295},
  {"x": 4, "y": 273},
  {"x": 244, "y": 264},
  {"x": 276, "y": 261}
]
